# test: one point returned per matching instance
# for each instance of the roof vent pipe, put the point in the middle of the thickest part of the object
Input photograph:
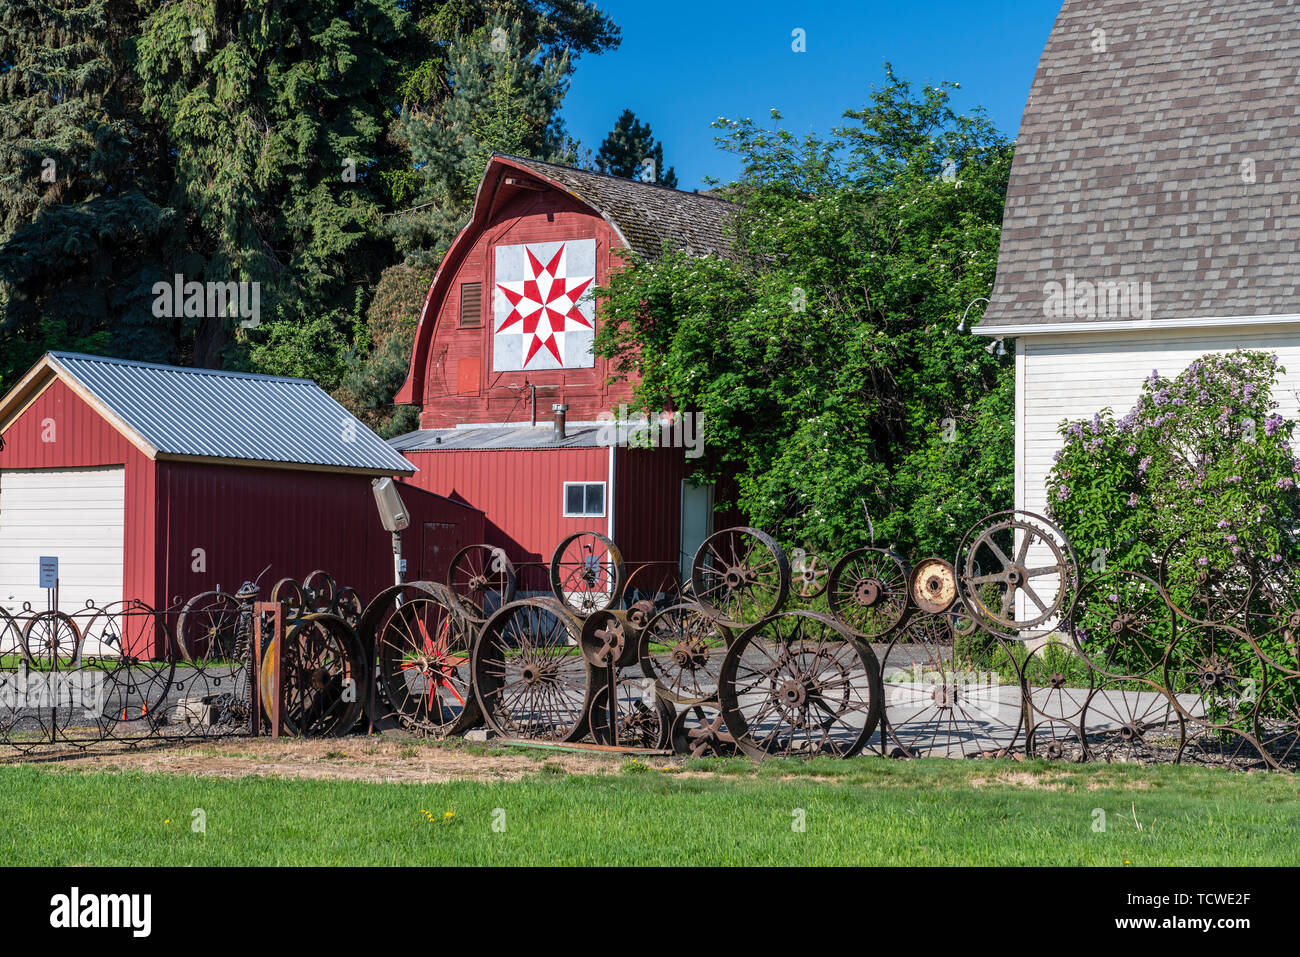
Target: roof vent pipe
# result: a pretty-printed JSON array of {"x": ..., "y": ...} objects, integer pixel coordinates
[{"x": 559, "y": 411}]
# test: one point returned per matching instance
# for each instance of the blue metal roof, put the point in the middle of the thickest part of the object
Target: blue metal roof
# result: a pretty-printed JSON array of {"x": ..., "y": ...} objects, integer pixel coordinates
[{"x": 231, "y": 415}]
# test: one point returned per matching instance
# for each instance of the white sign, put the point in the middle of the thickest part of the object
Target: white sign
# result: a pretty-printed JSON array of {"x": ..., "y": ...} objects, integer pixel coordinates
[
  {"x": 543, "y": 314},
  {"x": 49, "y": 571}
]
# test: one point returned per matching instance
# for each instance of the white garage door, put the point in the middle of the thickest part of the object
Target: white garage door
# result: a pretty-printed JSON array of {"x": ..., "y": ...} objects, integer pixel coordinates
[{"x": 74, "y": 514}]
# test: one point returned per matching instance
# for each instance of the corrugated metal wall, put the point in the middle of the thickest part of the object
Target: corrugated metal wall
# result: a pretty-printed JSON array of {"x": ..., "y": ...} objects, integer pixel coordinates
[
  {"x": 247, "y": 518},
  {"x": 520, "y": 492}
]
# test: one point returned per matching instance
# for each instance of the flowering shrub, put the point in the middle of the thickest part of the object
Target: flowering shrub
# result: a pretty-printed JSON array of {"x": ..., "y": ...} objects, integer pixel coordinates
[
  {"x": 1200, "y": 472},
  {"x": 1201, "y": 456}
]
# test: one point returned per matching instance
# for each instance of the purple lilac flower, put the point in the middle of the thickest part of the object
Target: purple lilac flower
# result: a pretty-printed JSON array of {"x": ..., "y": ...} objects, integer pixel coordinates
[
  {"x": 1133, "y": 500},
  {"x": 1286, "y": 484}
]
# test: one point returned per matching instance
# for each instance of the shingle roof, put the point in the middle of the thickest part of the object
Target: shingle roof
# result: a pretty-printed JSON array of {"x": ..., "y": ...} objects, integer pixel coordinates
[
  {"x": 229, "y": 415},
  {"x": 1164, "y": 150},
  {"x": 651, "y": 218}
]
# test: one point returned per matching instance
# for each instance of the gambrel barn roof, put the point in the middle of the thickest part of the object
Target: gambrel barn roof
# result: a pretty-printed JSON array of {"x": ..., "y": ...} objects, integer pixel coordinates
[
  {"x": 648, "y": 219},
  {"x": 1160, "y": 144}
]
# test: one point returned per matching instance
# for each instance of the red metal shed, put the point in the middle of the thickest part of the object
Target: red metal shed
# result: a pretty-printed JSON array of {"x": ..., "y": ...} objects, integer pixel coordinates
[{"x": 156, "y": 483}]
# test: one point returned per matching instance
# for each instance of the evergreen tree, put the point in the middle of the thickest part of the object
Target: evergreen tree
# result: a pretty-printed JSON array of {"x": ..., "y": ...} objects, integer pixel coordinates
[
  {"x": 79, "y": 220},
  {"x": 630, "y": 150},
  {"x": 503, "y": 97},
  {"x": 277, "y": 115}
]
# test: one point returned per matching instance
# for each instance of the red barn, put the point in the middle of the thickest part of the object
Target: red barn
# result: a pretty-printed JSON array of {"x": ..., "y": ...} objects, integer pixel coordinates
[
  {"x": 505, "y": 337},
  {"x": 155, "y": 483}
]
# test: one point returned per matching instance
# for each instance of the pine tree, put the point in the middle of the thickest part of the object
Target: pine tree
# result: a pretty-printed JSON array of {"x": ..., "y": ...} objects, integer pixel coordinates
[
  {"x": 78, "y": 213},
  {"x": 630, "y": 150},
  {"x": 504, "y": 98},
  {"x": 277, "y": 115}
]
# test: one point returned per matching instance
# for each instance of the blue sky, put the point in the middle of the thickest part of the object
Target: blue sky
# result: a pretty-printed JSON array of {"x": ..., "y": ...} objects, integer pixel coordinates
[{"x": 682, "y": 65}]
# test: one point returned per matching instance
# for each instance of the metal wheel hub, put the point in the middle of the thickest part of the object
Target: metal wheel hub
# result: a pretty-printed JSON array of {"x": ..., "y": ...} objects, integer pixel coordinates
[{"x": 868, "y": 592}]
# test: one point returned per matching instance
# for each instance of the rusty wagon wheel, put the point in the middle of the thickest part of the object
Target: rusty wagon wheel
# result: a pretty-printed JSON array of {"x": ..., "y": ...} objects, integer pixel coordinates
[
  {"x": 644, "y": 719},
  {"x": 424, "y": 650},
  {"x": 482, "y": 578},
  {"x": 207, "y": 627},
  {"x": 1272, "y": 620},
  {"x": 587, "y": 574},
  {"x": 130, "y": 668},
  {"x": 740, "y": 575},
  {"x": 323, "y": 674},
  {"x": 808, "y": 573},
  {"x": 682, "y": 648},
  {"x": 1130, "y": 720},
  {"x": 1123, "y": 625},
  {"x": 867, "y": 591},
  {"x": 799, "y": 684},
  {"x": 945, "y": 697},
  {"x": 699, "y": 731},
  {"x": 52, "y": 642},
  {"x": 1017, "y": 558},
  {"x": 609, "y": 635},
  {"x": 1204, "y": 580},
  {"x": 529, "y": 675}
]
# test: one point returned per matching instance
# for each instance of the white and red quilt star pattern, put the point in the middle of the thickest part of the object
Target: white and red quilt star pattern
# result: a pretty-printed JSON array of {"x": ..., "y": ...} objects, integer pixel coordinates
[{"x": 543, "y": 312}]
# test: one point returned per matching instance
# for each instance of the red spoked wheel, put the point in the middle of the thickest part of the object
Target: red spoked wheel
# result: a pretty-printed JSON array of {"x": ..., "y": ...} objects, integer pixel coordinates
[{"x": 424, "y": 651}]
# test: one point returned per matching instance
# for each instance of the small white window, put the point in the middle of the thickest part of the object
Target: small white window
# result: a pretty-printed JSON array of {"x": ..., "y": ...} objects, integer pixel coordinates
[{"x": 584, "y": 499}]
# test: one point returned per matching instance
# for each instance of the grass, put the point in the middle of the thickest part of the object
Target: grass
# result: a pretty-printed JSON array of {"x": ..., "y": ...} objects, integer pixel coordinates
[{"x": 863, "y": 811}]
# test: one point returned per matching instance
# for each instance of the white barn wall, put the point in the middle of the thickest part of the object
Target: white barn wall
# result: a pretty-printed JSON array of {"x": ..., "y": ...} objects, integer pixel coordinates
[{"x": 1073, "y": 376}]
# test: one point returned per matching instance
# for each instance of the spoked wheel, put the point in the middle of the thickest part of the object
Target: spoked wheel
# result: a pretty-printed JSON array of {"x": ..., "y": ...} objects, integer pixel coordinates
[
  {"x": 587, "y": 574},
  {"x": 867, "y": 591},
  {"x": 1273, "y": 620},
  {"x": 319, "y": 589},
  {"x": 1131, "y": 720},
  {"x": 207, "y": 627},
  {"x": 1123, "y": 625},
  {"x": 698, "y": 730},
  {"x": 52, "y": 653},
  {"x": 323, "y": 672},
  {"x": 529, "y": 675},
  {"x": 654, "y": 585},
  {"x": 130, "y": 669},
  {"x": 740, "y": 575},
  {"x": 1204, "y": 579},
  {"x": 482, "y": 578},
  {"x": 1055, "y": 741},
  {"x": 946, "y": 698},
  {"x": 52, "y": 642},
  {"x": 1018, "y": 574},
  {"x": 1055, "y": 681},
  {"x": 1213, "y": 678},
  {"x": 644, "y": 720},
  {"x": 799, "y": 684},
  {"x": 682, "y": 649},
  {"x": 808, "y": 573},
  {"x": 1277, "y": 722},
  {"x": 424, "y": 649}
]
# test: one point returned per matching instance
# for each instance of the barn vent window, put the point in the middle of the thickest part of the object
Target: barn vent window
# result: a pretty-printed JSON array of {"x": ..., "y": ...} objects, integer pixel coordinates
[
  {"x": 584, "y": 499},
  {"x": 471, "y": 304}
]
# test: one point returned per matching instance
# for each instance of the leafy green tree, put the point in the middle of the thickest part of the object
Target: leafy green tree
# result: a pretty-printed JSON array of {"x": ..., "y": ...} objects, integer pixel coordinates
[
  {"x": 824, "y": 357},
  {"x": 630, "y": 150}
]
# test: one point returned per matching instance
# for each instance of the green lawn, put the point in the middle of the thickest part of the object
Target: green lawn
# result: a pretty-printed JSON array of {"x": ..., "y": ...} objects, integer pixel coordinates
[{"x": 864, "y": 811}]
